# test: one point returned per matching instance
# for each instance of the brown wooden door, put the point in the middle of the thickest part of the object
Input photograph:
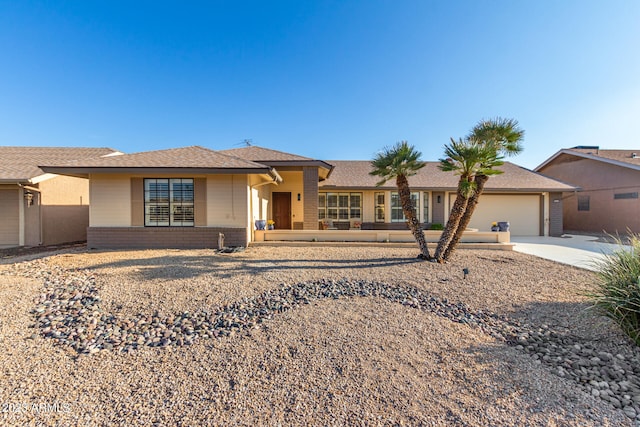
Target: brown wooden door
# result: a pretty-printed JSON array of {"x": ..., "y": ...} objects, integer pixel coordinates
[{"x": 282, "y": 210}]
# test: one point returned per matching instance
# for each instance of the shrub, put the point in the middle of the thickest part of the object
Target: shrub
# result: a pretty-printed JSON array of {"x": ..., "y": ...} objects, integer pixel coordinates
[
  {"x": 617, "y": 292},
  {"x": 436, "y": 226}
]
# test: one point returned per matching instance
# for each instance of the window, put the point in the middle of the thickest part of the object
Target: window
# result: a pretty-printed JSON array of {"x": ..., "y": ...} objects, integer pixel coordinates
[
  {"x": 396, "y": 207},
  {"x": 583, "y": 203},
  {"x": 168, "y": 202},
  {"x": 355, "y": 205},
  {"x": 619, "y": 196},
  {"x": 322, "y": 206},
  {"x": 379, "y": 207},
  {"x": 425, "y": 206},
  {"x": 340, "y": 206}
]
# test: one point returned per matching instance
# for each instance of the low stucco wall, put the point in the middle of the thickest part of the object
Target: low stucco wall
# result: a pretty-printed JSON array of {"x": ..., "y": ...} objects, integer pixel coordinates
[
  {"x": 163, "y": 237},
  {"x": 470, "y": 236}
]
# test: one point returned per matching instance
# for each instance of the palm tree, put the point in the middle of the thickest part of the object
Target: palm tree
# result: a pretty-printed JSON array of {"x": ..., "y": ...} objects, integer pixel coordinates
[
  {"x": 400, "y": 162},
  {"x": 465, "y": 158},
  {"x": 499, "y": 137}
]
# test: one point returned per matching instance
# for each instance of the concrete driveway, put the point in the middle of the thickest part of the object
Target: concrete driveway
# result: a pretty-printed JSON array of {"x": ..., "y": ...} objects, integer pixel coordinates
[{"x": 577, "y": 250}]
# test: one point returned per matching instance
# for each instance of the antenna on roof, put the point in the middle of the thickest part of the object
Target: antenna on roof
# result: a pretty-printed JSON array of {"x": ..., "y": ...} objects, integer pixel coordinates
[{"x": 245, "y": 143}]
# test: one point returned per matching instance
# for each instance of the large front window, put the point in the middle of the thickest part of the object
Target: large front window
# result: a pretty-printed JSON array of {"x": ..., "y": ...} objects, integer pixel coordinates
[
  {"x": 340, "y": 206},
  {"x": 397, "y": 215},
  {"x": 168, "y": 202}
]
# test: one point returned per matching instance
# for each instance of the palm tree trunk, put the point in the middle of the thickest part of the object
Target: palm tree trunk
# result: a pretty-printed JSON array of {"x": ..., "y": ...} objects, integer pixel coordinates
[
  {"x": 409, "y": 212},
  {"x": 480, "y": 181},
  {"x": 457, "y": 211}
]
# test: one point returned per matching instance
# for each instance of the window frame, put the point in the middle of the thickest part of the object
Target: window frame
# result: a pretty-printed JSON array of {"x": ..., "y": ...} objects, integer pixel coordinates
[
  {"x": 176, "y": 200},
  {"x": 625, "y": 196},
  {"x": 379, "y": 208},
  {"x": 415, "y": 198},
  {"x": 584, "y": 203},
  {"x": 339, "y": 205}
]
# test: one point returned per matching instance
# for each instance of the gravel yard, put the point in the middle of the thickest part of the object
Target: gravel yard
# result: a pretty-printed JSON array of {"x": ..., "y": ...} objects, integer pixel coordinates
[{"x": 333, "y": 360}]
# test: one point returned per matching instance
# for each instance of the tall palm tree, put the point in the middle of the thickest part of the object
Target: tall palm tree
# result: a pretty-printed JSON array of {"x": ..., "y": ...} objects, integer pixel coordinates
[
  {"x": 467, "y": 159},
  {"x": 400, "y": 162},
  {"x": 499, "y": 137}
]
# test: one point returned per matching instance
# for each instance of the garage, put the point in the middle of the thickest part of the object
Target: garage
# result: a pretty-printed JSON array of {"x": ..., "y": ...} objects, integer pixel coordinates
[
  {"x": 522, "y": 211},
  {"x": 9, "y": 212}
]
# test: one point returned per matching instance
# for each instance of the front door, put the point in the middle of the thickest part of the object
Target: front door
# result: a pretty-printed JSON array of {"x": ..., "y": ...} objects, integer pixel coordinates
[{"x": 282, "y": 210}]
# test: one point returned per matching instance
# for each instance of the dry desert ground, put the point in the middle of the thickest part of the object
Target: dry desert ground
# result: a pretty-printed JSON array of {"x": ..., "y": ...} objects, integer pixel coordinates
[{"x": 321, "y": 336}]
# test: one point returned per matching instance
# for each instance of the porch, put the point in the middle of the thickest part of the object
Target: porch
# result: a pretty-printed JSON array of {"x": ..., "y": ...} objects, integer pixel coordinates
[{"x": 472, "y": 238}]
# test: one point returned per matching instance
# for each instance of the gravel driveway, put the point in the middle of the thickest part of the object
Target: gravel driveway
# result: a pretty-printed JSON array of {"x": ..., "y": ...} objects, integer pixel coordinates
[{"x": 426, "y": 357}]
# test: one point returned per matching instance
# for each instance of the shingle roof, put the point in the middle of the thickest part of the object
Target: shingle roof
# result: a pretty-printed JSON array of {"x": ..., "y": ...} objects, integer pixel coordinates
[
  {"x": 193, "y": 157},
  {"x": 355, "y": 174},
  {"x": 20, "y": 164},
  {"x": 260, "y": 154},
  {"x": 623, "y": 158}
]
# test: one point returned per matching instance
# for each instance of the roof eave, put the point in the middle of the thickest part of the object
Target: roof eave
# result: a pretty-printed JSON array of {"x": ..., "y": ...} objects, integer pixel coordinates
[
  {"x": 587, "y": 156},
  {"x": 16, "y": 181},
  {"x": 83, "y": 172}
]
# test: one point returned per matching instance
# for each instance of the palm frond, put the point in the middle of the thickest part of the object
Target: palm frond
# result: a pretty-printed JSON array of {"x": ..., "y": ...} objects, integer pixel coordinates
[
  {"x": 504, "y": 135},
  {"x": 401, "y": 159}
]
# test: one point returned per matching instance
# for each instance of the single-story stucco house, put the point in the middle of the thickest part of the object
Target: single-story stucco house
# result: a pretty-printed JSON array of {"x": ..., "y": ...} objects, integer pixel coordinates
[
  {"x": 186, "y": 197},
  {"x": 39, "y": 208},
  {"x": 609, "y": 183}
]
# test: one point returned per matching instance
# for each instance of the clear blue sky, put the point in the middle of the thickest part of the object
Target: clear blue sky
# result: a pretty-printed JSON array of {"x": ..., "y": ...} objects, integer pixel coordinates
[{"x": 324, "y": 79}]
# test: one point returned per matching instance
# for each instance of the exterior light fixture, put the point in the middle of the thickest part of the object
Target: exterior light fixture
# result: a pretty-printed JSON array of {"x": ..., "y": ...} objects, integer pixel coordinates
[{"x": 28, "y": 196}]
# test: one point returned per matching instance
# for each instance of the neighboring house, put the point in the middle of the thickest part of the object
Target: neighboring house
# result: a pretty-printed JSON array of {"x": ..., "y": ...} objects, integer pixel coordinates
[
  {"x": 186, "y": 197},
  {"x": 39, "y": 208},
  {"x": 609, "y": 184}
]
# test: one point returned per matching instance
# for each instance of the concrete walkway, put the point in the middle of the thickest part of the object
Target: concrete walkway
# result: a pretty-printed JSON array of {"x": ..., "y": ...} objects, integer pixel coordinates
[{"x": 577, "y": 250}]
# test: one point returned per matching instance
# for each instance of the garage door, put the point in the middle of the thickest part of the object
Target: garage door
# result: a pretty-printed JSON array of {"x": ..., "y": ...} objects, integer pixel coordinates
[
  {"x": 521, "y": 211},
  {"x": 9, "y": 222}
]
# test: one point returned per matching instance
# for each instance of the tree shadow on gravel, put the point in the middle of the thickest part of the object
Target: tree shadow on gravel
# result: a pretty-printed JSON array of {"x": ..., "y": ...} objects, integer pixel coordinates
[{"x": 186, "y": 267}]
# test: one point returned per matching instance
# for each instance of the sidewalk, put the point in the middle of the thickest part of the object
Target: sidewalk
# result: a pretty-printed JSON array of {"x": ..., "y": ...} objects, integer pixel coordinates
[{"x": 577, "y": 250}]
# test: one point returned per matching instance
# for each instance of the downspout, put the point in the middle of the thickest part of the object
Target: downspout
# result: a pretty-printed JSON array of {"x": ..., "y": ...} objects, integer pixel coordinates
[{"x": 26, "y": 187}]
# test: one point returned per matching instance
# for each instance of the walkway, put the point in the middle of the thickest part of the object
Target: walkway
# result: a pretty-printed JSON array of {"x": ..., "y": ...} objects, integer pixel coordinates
[{"x": 577, "y": 250}]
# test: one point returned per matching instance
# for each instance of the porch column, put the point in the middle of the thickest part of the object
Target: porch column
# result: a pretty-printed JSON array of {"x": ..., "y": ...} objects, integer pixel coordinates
[{"x": 310, "y": 197}]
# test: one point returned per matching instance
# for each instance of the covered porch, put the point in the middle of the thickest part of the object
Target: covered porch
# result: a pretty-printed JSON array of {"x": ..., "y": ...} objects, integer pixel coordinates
[{"x": 471, "y": 238}]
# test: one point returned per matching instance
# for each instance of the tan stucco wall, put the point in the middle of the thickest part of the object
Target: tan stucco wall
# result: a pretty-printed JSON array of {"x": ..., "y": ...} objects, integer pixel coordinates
[
  {"x": 65, "y": 210},
  {"x": 600, "y": 181},
  {"x": 65, "y": 191},
  {"x": 110, "y": 204},
  {"x": 228, "y": 198}
]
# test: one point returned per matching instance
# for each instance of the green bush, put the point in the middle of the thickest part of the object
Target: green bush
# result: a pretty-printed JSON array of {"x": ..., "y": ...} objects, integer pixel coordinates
[
  {"x": 617, "y": 292},
  {"x": 436, "y": 226}
]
